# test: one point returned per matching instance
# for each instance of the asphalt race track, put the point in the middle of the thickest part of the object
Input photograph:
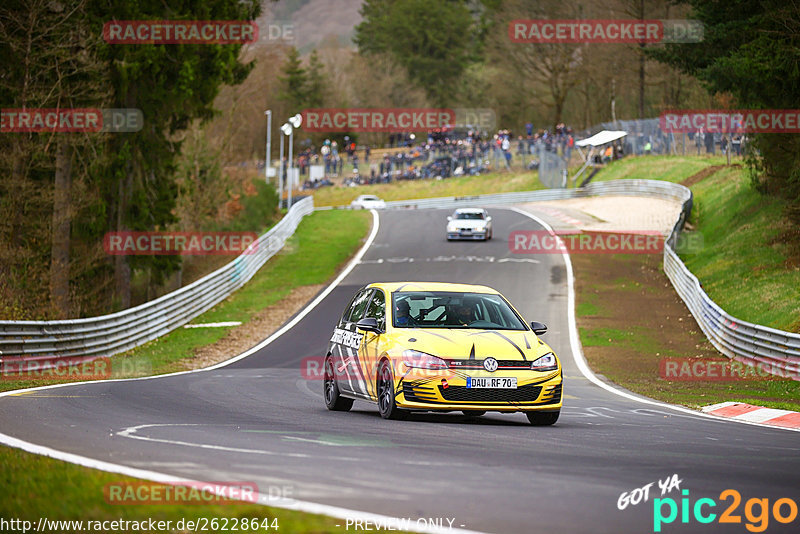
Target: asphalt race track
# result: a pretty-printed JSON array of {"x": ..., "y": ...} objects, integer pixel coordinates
[{"x": 259, "y": 420}]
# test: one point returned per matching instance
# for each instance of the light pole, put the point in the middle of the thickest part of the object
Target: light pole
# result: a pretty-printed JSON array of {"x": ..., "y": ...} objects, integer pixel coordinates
[
  {"x": 286, "y": 129},
  {"x": 294, "y": 122},
  {"x": 268, "y": 113}
]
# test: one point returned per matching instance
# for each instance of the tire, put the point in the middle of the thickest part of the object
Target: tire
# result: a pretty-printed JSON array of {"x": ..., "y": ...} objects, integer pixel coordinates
[
  {"x": 473, "y": 413},
  {"x": 333, "y": 398},
  {"x": 385, "y": 389},
  {"x": 543, "y": 418}
]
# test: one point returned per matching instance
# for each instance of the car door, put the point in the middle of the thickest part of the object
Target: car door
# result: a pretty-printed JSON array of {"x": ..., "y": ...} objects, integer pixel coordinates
[
  {"x": 346, "y": 344},
  {"x": 372, "y": 343}
]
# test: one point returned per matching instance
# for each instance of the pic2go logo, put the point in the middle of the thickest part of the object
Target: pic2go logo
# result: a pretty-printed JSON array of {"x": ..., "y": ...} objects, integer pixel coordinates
[{"x": 756, "y": 511}]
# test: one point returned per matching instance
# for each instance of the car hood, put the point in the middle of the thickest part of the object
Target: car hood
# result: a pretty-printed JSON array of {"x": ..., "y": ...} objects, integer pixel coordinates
[{"x": 472, "y": 343}]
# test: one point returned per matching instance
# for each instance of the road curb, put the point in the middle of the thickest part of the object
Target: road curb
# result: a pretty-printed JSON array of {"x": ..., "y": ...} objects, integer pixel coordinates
[{"x": 755, "y": 414}]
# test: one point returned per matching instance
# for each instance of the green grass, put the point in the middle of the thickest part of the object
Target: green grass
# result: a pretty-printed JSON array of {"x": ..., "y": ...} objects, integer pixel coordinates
[
  {"x": 495, "y": 182},
  {"x": 743, "y": 262},
  {"x": 631, "y": 337},
  {"x": 771, "y": 393},
  {"x": 35, "y": 486},
  {"x": 38, "y": 487},
  {"x": 668, "y": 168},
  {"x": 322, "y": 243}
]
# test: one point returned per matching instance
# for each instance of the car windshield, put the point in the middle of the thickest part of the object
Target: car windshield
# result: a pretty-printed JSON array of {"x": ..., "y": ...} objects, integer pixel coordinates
[
  {"x": 469, "y": 215},
  {"x": 448, "y": 309}
]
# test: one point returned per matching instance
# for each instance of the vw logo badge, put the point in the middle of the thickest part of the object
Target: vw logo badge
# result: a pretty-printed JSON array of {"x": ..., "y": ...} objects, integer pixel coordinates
[{"x": 490, "y": 364}]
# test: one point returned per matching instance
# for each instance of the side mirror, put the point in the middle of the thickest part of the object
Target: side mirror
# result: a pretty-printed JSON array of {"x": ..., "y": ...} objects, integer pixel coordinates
[
  {"x": 449, "y": 218},
  {"x": 370, "y": 324},
  {"x": 489, "y": 218},
  {"x": 538, "y": 328}
]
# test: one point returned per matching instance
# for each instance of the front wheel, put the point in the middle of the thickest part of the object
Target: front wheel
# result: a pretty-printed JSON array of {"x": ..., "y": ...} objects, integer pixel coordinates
[
  {"x": 386, "y": 402},
  {"x": 333, "y": 398},
  {"x": 543, "y": 418}
]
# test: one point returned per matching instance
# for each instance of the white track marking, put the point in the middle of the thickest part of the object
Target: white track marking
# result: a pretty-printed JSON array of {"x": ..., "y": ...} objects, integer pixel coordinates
[
  {"x": 268, "y": 500},
  {"x": 309, "y": 507},
  {"x": 580, "y": 360},
  {"x": 289, "y": 504},
  {"x": 305, "y": 311},
  {"x": 132, "y": 432}
]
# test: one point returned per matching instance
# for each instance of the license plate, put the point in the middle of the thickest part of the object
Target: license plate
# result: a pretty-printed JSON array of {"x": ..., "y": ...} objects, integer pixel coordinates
[{"x": 491, "y": 383}]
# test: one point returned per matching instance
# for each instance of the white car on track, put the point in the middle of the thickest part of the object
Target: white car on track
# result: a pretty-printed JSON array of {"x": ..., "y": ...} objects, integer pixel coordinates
[
  {"x": 368, "y": 202},
  {"x": 469, "y": 223}
]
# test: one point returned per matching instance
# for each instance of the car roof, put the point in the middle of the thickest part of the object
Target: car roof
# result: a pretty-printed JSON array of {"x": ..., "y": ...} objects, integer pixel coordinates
[
  {"x": 470, "y": 210},
  {"x": 391, "y": 287}
]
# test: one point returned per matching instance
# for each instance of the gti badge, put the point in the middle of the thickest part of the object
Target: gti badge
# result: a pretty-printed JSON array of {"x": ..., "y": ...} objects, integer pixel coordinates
[{"x": 490, "y": 364}]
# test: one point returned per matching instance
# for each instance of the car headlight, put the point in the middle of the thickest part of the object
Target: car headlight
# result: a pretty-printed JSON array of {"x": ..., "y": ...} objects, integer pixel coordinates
[
  {"x": 421, "y": 360},
  {"x": 547, "y": 362}
]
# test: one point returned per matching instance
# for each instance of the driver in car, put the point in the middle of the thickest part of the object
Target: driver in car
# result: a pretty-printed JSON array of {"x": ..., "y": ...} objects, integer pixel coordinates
[
  {"x": 402, "y": 315},
  {"x": 463, "y": 314}
]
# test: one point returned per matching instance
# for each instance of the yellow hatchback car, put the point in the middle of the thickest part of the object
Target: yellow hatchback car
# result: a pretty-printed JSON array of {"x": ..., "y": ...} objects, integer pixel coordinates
[{"x": 424, "y": 346}]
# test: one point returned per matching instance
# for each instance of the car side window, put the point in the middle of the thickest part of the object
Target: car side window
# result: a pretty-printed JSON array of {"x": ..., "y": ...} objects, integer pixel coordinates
[
  {"x": 377, "y": 309},
  {"x": 349, "y": 309},
  {"x": 360, "y": 304}
]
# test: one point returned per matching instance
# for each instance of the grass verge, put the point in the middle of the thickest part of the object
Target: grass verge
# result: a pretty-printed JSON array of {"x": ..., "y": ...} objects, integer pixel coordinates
[
  {"x": 626, "y": 332},
  {"x": 495, "y": 182},
  {"x": 749, "y": 263},
  {"x": 668, "y": 168},
  {"x": 321, "y": 245},
  {"x": 631, "y": 320},
  {"x": 40, "y": 487}
]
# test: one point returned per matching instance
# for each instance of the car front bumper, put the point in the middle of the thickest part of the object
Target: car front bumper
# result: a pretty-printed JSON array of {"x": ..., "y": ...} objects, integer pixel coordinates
[
  {"x": 448, "y": 392},
  {"x": 467, "y": 235}
]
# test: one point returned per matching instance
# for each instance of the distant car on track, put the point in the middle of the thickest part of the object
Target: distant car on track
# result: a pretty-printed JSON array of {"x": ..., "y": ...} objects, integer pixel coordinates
[
  {"x": 368, "y": 202},
  {"x": 469, "y": 223},
  {"x": 424, "y": 346}
]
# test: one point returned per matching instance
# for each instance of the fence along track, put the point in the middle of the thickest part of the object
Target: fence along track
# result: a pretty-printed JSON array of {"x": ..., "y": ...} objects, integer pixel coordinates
[
  {"x": 84, "y": 339},
  {"x": 51, "y": 343}
]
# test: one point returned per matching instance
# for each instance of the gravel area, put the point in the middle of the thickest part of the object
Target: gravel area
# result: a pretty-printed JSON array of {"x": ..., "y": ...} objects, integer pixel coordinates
[{"x": 614, "y": 213}]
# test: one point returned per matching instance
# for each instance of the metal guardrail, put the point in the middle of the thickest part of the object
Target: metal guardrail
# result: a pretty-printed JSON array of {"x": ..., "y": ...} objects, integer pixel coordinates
[
  {"x": 774, "y": 351},
  {"x": 76, "y": 340}
]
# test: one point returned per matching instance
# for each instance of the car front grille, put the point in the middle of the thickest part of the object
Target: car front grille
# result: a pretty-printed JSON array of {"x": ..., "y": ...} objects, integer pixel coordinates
[
  {"x": 552, "y": 395},
  {"x": 478, "y": 364},
  {"x": 528, "y": 393},
  {"x": 418, "y": 393}
]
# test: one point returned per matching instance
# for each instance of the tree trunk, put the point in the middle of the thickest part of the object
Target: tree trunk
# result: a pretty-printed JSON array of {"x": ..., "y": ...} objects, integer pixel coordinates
[
  {"x": 641, "y": 66},
  {"x": 59, "y": 256},
  {"x": 122, "y": 271}
]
